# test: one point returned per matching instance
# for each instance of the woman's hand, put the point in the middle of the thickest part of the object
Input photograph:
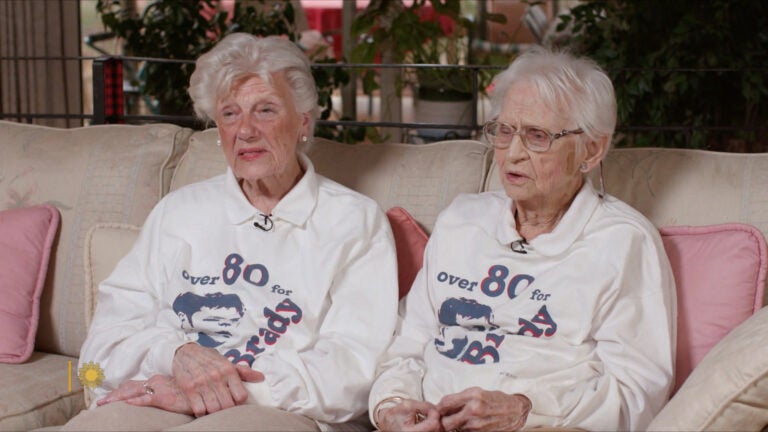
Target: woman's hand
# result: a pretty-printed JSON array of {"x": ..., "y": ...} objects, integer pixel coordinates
[
  {"x": 475, "y": 409},
  {"x": 209, "y": 381},
  {"x": 159, "y": 391},
  {"x": 410, "y": 416}
]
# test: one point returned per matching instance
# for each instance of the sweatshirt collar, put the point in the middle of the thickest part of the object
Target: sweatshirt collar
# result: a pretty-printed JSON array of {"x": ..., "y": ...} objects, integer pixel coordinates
[
  {"x": 295, "y": 207},
  {"x": 567, "y": 231}
]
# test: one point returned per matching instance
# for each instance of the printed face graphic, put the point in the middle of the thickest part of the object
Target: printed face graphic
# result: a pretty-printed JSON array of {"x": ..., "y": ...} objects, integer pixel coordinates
[{"x": 217, "y": 323}]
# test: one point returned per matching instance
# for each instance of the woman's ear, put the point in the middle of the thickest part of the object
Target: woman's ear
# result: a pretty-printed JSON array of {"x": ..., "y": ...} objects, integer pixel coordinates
[
  {"x": 595, "y": 151},
  {"x": 306, "y": 121}
]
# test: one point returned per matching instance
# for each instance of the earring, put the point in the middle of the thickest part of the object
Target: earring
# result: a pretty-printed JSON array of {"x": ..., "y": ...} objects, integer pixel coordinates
[
  {"x": 583, "y": 167},
  {"x": 218, "y": 142},
  {"x": 304, "y": 138}
]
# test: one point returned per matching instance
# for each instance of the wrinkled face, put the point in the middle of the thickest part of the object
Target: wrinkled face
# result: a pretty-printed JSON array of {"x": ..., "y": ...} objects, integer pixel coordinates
[
  {"x": 259, "y": 128},
  {"x": 531, "y": 178}
]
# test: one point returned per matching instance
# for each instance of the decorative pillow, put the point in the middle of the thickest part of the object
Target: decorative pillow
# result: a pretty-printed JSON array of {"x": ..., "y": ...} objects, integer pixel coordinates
[
  {"x": 410, "y": 241},
  {"x": 728, "y": 390},
  {"x": 720, "y": 272},
  {"x": 26, "y": 238}
]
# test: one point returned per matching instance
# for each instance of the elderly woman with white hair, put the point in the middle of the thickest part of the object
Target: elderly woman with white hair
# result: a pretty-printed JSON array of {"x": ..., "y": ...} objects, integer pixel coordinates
[
  {"x": 547, "y": 304},
  {"x": 259, "y": 299}
]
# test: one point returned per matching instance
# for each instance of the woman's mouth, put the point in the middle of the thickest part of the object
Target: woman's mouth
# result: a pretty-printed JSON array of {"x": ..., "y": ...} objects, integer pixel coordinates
[
  {"x": 251, "y": 154},
  {"x": 515, "y": 177}
]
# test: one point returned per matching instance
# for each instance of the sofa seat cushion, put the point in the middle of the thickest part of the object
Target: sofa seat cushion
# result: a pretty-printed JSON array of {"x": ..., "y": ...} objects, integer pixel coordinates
[
  {"x": 44, "y": 391},
  {"x": 114, "y": 173}
]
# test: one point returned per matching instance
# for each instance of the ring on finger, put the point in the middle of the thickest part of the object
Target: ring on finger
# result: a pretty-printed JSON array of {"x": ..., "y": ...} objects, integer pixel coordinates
[{"x": 147, "y": 389}]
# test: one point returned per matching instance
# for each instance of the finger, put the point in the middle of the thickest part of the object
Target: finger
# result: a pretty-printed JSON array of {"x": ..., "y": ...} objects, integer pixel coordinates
[
  {"x": 450, "y": 404},
  {"x": 218, "y": 397},
  {"x": 127, "y": 389},
  {"x": 454, "y": 421},
  {"x": 237, "y": 389},
  {"x": 429, "y": 423},
  {"x": 143, "y": 400},
  {"x": 249, "y": 375},
  {"x": 196, "y": 403}
]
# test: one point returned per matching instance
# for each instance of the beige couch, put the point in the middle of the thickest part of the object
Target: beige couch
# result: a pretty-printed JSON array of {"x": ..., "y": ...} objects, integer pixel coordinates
[{"x": 105, "y": 179}]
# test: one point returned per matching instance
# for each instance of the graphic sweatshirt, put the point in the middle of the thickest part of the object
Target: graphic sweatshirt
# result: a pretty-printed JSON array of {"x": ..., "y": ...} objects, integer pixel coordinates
[
  {"x": 582, "y": 320},
  {"x": 311, "y": 302}
]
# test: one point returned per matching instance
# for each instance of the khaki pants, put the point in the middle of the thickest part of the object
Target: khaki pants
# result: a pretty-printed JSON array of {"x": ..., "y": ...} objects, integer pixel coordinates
[{"x": 119, "y": 416}]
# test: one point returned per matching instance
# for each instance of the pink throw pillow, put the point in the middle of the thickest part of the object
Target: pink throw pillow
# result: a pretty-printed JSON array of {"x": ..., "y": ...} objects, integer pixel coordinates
[
  {"x": 26, "y": 237},
  {"x": 410, "y": 241},
  {"x": 720, "y": 273}
]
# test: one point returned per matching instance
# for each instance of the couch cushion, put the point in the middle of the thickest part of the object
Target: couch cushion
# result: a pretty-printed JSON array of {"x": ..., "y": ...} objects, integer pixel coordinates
[
  {"x": 26, "y": 239},
  {"x": 41, "y": 392},
  {"x": 410, "y": 242},
  {"x": 685, "y": 186},
  {"x": 728, "y": 390},
  {"x": 94, "y": 174},
  {"x": 105, "y": 245},
  {"x": 423, "y": 179},
  {"x": 720, "y": 272}
]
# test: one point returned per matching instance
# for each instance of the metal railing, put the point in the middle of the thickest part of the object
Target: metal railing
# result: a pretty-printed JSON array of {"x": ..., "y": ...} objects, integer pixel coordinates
[{"x": 110, "y": 85}]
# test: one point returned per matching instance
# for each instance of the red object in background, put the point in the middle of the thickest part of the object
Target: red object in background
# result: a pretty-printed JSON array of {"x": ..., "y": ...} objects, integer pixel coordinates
[
  {"x": 328, "y": 22},
  {"x": 427, "y": 13},
  {"x": 108, "y": 97}
]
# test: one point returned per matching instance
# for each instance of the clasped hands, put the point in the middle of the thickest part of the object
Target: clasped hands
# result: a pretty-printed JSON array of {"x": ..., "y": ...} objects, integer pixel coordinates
[
  {"x": 203, "y": 382},
  {"x": 473, "y": 409}
]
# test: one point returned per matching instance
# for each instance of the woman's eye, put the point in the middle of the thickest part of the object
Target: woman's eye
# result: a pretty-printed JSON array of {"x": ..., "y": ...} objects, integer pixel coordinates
[
  {"x": 537, "y": 134},
  {"x": 227, "y": 115},
  {"x": 267, "y": 109}
]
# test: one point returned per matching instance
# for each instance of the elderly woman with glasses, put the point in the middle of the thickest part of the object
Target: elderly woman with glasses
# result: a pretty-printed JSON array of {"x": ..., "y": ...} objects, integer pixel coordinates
[{"x": 547, "y": 304}]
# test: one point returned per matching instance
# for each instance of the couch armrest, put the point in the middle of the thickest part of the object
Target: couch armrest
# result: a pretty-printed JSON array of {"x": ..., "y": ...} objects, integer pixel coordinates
[{"x": 728, "y": 390}]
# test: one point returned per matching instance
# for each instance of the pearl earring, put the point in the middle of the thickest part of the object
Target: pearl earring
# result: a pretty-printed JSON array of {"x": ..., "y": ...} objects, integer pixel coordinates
[
  {"x": 583, "y": 167},
  {"x": 304, "y": 138},
  {"x": 218, "y": 143}
]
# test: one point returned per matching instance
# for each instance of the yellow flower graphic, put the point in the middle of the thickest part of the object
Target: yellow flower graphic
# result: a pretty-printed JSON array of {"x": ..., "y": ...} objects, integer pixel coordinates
[{"x": 91, "y": 375}]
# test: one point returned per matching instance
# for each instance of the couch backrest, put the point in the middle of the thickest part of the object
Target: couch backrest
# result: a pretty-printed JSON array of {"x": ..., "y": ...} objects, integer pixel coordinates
[
  {"x": 91, "y": 175},
  {"x": 685, "y": 186},
  {"x": 674, "y": 187},
  {"x": 424, "y": 179}
]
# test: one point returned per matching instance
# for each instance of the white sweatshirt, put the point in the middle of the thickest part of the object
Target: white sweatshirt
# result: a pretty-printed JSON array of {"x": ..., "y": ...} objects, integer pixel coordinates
[
  {"x": 583, "y": 322},
  {"x": 312, "y": 303}
]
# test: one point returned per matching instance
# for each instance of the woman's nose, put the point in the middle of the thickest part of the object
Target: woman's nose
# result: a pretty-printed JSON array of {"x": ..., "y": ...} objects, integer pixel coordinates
[
  {"x": 516, "y": 149},
  {"x": 247, "y": 129}
]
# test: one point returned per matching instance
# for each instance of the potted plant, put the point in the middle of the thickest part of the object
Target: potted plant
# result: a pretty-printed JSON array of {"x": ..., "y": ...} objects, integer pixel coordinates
[
  {"x": 428, "y": 32},
  {"x": 693, "y": 68},
  {"x": 185, "y": 29}
]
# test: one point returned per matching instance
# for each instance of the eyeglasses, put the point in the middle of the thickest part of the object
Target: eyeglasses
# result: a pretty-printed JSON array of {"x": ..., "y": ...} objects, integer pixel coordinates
[{"x": 534, "y": 138}]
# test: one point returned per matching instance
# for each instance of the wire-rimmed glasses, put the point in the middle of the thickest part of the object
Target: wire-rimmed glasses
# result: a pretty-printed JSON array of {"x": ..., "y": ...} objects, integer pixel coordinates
[{"x": 535, "y": 139}]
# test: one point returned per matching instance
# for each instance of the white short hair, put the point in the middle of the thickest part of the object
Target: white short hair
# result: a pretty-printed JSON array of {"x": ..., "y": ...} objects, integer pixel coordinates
[
  {"x": 240, "y": 55},
  {"x": 575, "y": 87}
]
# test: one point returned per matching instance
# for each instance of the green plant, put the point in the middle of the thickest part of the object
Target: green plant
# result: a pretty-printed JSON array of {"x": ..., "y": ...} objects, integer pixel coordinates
[
  {"x": 698, "y": 65},
  {"x": 389, "y": 31},
  {"x": 181, "y": 30}
]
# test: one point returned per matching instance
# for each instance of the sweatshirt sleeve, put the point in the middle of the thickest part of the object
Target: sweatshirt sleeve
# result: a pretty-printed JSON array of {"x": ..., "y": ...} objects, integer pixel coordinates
[
  {"x": 124, "y": 339},
  {"x": 635, "y": 335},
  {"x": 330, "y": 382},
  {"x": 402, "y": 369}
]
